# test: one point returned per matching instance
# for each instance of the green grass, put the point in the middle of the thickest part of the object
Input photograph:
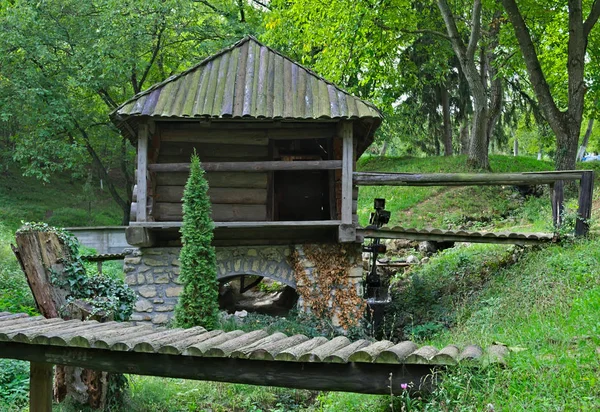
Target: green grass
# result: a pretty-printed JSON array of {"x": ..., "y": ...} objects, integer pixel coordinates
[
  {"x": 422, "y": 206},
  {"x": 62, "y": 202},
  {"x": 545, "y": 300}
]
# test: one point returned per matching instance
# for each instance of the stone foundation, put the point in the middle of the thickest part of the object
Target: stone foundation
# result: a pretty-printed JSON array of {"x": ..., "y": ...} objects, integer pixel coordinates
[{"x": 153, "y": 273}]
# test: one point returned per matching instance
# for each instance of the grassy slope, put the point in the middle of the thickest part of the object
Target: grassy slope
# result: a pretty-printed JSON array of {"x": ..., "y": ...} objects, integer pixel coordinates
[
  {"x": 61, "y": 202},
  {"x": 548, "y": 303}
]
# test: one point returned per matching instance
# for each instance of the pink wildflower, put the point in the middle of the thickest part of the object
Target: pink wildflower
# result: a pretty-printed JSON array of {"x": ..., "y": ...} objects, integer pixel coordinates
[{"x": 404, "y": 386}]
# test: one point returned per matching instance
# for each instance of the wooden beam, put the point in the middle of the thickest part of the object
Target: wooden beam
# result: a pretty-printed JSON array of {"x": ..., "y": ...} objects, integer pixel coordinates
[
  {"x": 557, "y": 198},
  {"x": 142, "y": 167},
  {"x": 139, "y": 236},
  {"x": 584, "y": 213},
  {"x": 449, "y": 237},
  {"x": 244, "y": 225},
  {"x": 40, "y": 387},
  {"x": 249, "y": 166},
  {"x": 462, "y": 179},
  {"x": 357, "y": 377},
  {"x": 347, "y": 231}
]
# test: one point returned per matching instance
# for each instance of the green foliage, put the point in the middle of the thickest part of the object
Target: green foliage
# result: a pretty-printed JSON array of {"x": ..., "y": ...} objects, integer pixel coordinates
[
  {"x": 424, "y": 300},
  {"x": 14, "y": 384},
  {"x": 108, "y": 296},
  {"x": 198, "y": 304},
  {"x": 292, "y": 324}
]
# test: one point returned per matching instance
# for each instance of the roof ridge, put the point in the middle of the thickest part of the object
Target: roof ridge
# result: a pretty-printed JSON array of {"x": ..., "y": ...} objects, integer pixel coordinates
[{"x": 228, "y": 49}]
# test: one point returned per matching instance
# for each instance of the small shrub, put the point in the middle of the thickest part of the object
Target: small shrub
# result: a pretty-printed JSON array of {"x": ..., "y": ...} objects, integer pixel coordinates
[
  {"x": 14, "y": 384},
  {"x": 198, "y": 304}
]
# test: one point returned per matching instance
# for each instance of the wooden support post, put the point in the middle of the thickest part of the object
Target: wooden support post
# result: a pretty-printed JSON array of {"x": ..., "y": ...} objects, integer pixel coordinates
[
  {"x": 557, "y": 198},
  {"x": 142, "y": 167},
  {"x": 40, "y": 387},
  {"x": 586, "y": 189},
  {"x": 347, "y": 231}
]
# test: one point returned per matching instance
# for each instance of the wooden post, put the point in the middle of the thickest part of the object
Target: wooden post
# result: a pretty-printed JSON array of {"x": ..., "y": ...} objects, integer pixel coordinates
[
  {"x": 347, "y": 231},
  {"x": 142, "y": 170},
  {"x": 586, "y": 189},
  {"x": 40, "y": 387},
  {"x": 557, "y": 197}
]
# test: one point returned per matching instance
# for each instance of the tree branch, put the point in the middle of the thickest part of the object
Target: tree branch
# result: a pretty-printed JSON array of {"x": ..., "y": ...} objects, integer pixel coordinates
[
  {"x": 538, "y": 80},
  {"x": 475, "y": 29},
  {"x": 457, "y": 43},
  {"x": 155, "y": 52},
  {"x": 592, "y": 18}
]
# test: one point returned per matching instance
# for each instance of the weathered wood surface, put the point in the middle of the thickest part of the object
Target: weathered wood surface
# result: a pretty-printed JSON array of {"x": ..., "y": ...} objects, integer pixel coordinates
[
  {"x": 220, "y": 212},
  {"x": 245, "y": 225},
  {"x": 247, "y": 133},
  {"x": 457, "y": 236},
  {"x": 40, "y": 386},
  {"x": 557, "y": 199},
  {"x": 40, "y": 253},
  {"x": 233, "y": 195},
  {"x": 142, "y": 165},
  {"x": 249, "y": 166},
  {"x": 217, "y": 179},
  {"x": 584, "y": 212},
  {"x": 197, "y": 342},
  {"x": 347, "y": 231},
  {"x": 463, "y": 179}
]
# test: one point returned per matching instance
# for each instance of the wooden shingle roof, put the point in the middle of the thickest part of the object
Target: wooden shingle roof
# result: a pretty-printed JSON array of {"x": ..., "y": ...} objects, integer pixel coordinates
[{"x": 247, "y": 81}]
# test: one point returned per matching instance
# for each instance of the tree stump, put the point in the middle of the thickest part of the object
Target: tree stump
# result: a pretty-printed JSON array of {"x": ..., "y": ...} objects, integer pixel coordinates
[{"x": 43, "y": 255}]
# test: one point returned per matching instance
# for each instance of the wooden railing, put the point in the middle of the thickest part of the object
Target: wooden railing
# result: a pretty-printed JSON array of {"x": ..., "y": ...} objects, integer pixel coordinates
[{"x": 555, "y": 179}]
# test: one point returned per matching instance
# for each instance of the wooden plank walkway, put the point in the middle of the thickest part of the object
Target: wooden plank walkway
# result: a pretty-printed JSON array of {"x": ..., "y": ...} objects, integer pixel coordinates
[
  {"x": 253, "y": 357},
  {"x": 399, "y": 232}
]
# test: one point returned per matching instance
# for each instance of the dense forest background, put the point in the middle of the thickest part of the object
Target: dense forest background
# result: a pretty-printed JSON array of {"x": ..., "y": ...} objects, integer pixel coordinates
[{"x": 469, "y": 77}]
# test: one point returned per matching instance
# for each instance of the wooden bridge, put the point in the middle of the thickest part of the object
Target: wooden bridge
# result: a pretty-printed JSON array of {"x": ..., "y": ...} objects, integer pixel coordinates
[
  {"x": 256, "y": 357},
  {"x": 555, "y": 179}
]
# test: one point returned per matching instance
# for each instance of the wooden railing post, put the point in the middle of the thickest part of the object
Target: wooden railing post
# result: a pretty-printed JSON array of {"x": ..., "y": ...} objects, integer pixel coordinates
[
  {"x": 40, "y": 387},
  {"x": 586, "y": 189},
  {"x": 347, "y": 231},
  {"x": 142, "y": 171},
  {"x": 557, "y": 198}
]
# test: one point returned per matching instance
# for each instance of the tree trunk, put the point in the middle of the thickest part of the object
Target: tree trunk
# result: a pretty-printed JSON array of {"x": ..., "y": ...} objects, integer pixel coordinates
[
  {"x": 478, "y": 148},
  {"x": 42, "y": 255},
  {"x": 446, "y": 116},
  {"x": 566, "y": 149},
  {"x": 464, "y": 136},
  {"x": 516, "y": 147},
  {"x": 586, "y": 139},
  {"x": 384, "y": 148}
]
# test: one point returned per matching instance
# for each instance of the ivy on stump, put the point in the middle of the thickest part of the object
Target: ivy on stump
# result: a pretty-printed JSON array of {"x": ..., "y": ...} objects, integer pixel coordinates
[{"x": 198, "y": 304}]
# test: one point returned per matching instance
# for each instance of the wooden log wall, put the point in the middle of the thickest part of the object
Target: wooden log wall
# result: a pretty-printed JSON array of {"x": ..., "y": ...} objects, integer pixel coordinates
[{"x": 235, "y": 196}]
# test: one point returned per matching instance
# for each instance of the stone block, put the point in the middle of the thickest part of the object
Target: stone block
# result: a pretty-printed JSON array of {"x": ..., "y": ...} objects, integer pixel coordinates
[
  {"x": 130, "y": 280},
  {"x": 177, "y": 280},
  {"x": 174, "y": 291},
  {"x": 154, "y": 262},
  {"x": 252, "y": 252},
  {"x": 165, "y": 308},
  {"x": 160, "y": 319},
  {"x": 176, "y": 262},
  {"x": 158, "y": 301},
  {"x": 133, "y": 260},
  {"x": 356, "y": 272},
  {"x": 176, "y": 271},
  {"x": 237, "y": 265},
  {"x": 141, "y": 279},
  {"x": 140, "y": 317},
  {"x": 143, "y": 305},
  {"x": 147, "y": 291},
  {"x": 164, "y": 278},
  {"x": 255, "y": 265},
  {"x": 128, "y": 268}
]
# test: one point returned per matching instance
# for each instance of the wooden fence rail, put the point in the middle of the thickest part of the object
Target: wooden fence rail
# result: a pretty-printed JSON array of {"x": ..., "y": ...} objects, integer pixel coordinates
[{"x": 555, "y": 179}]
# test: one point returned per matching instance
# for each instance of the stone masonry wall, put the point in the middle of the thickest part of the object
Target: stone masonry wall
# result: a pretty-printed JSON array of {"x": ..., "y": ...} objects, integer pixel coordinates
[{"x": 153, "y": 273}]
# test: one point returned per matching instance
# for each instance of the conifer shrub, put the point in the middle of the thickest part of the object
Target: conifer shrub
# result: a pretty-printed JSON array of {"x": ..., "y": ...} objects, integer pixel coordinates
[{"x": 198, "y": 304}]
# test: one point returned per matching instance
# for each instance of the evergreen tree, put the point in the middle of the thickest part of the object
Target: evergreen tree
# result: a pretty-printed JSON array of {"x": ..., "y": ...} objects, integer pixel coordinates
[{"x": 198, "y": 304}]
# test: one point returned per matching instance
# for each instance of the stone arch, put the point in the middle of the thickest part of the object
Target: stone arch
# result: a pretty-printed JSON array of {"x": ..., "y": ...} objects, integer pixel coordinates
[{"x": 271, "y": 262}]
